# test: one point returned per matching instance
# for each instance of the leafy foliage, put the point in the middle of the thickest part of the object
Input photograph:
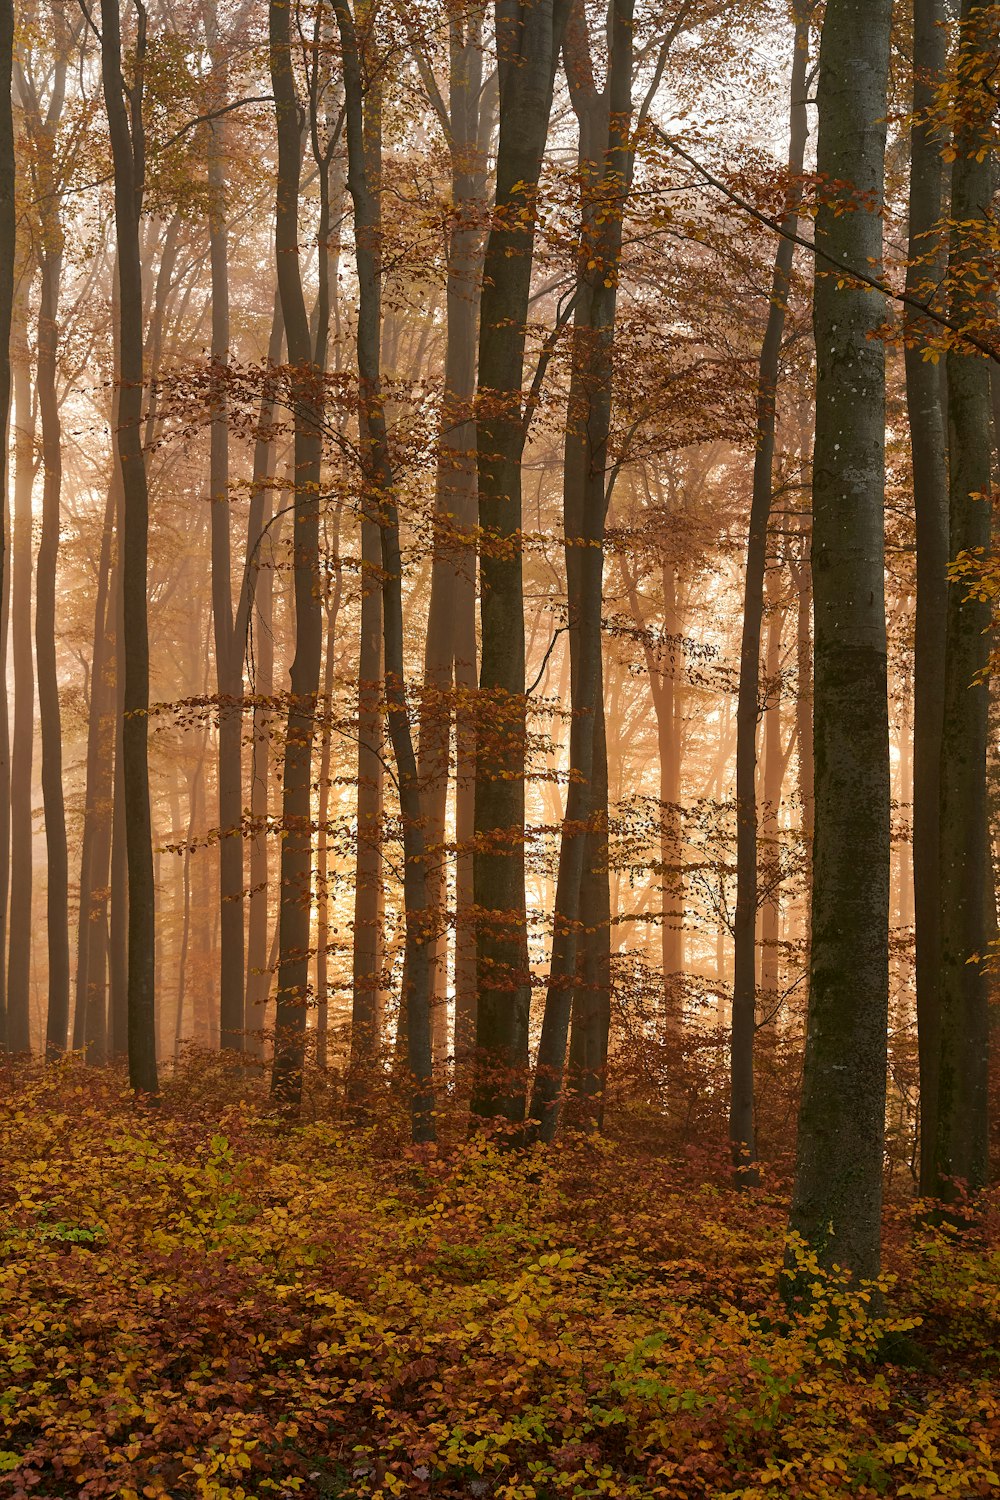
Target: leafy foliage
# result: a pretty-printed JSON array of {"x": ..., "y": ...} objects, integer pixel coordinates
[{"x": 198, "y": 1301}]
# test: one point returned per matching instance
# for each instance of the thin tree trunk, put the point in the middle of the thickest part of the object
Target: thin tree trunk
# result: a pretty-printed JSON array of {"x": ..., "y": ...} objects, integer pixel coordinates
[
  {"x": 8, "y": 237},
  {"x": 128, "y": 152},
  {"x": 379, "y": 482},
  {"x": 960, "y": 1133},
  {"x": 926, "y": 255},
  {"x": 228, "y": 652},
  {"x": 529, "y": 37},
  {"x": 365, "y": 1009},
  {"x": 90, "y": 1024},
  {"x": 606, "y": 163},
  {"x": 322, "y": 860},
  {"x": 836, "y": 1205},
  {"x": 21, "y": 853},
  {"x": 57, "y": 855},
  {"x": 774, "y": 760},
  {"x": 296, "y": 844},
  {"x": 748, "y": 707},
  {"x": 450, "y": 649},
  {"x": 254, "y": 636}
]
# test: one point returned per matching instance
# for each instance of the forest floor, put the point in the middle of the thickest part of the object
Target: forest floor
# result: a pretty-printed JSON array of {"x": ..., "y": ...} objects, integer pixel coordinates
[{"x": 200, "y": 1300}]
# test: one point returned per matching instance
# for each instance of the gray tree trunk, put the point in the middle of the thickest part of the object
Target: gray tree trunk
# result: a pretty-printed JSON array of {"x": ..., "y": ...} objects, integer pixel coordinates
[
  {"x": 748, "y": 705},
  {"x": 836, "y": 1205},
  {"x": 529, "y": 37},
  {"x": 128, "y": 152},
  {"x": 7, "y": 252},
  {"x": 926, "y": 255},
  {"x": 296, "y": 844},
  {"x": 19, "y": 961},
  {"x": 959, "y": 1122}
]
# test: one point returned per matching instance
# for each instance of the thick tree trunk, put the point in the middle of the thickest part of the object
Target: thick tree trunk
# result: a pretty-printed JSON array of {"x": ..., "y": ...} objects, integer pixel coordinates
[
  {"x": 930, "y": 502},
  {"x": 128, "y": 152},
  {"x": 748, "y": 706},
  {"x": 21, "y": 857},
  {"x": 961, "y": 1085},
  {"x": 606, "y": 169},
  {"x": 296, "y": 844},
  {"x": 836, "y": 1206},
  {"x": 529, "y": 37}
]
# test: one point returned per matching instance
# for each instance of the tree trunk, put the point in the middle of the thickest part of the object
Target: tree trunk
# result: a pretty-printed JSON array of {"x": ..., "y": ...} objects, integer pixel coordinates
[
  {"x": 529, "y": 37},
  {"x": 254, "y": 638},
  {"x": 90, "y": 1013},
  {"x": 128, "y": 152},
  {"x": 21, "y": 853},
  {"x": 836, "y": 1205},
  {"x": 322, "y": 860},
  {"x": 925, "y": 271},
  {"x": 365, "y": 1009},
  {"x": 380, "y": 504},
  {"x": 57, "y": 855},
  {"x": 228, "y": 651},
  {"x": 960, "y": 1135},
  {"x": 296, "y": 812},
  {"x": 8, "y": 235},
  {"x": 450, "y": 650},
  {"x": 748, "y": 705},
  {"x": 773, "y": 774},
  {"x": 606, "y": 170}
]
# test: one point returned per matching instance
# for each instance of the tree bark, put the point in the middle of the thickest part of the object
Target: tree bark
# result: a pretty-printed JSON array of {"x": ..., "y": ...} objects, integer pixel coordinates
[
  {"x": 606, "y": 169},
  {"x": 450, "y": 649},
  {"x": 90, "y": 1012},
  {"x": 959, "y": 1123},
  {"x": 254, "y": 638},
  {"x": 748, "y": 704},
  {"x": 128, "y": 152},
  {"x": 8, "y": 236},
  {"x": 925, "y": 269},
  {"x": 21, "y": 854},
  {"x": 296, "y": 844},
  {"x": 57, "y": 855},
  {"x": 380, "y": 504},
  {"x": 228, "y": 650},
  {"x": 529, "y": 37},
  {"x": 836, "y": 1205},
  {"x": 365, "y": 1008}
]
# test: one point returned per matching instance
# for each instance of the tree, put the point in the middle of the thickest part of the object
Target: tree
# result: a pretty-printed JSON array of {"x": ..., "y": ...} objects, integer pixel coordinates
[
  {"x": 7, "y": 254},
  {"x": 380, "y": 506},
  {"x": 528, "y": 42},
  {"x": 925, "y": 410},
  {"x": 741, "y": 1121},
  {"x": 838, "y": 1176},
  {"x": 42, "y": 127},
  {"x": 606, "y": 160},
  {"x": 958, "y": 1114},
  {"x": 124, "y": 105}
]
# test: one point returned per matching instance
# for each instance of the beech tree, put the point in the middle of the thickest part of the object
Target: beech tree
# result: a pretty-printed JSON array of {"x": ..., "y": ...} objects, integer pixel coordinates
[
  {"x": 124, "y": 105},
  {"x": 836, "y": 1206},
  {"x": 528, "y": 39},
  {"x": 8, "y": 235},
  {"x": 957, "y": 1117}
]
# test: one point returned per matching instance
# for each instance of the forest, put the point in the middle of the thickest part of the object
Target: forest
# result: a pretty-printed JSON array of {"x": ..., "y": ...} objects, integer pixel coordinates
[{"x": 499, "y": 759}]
